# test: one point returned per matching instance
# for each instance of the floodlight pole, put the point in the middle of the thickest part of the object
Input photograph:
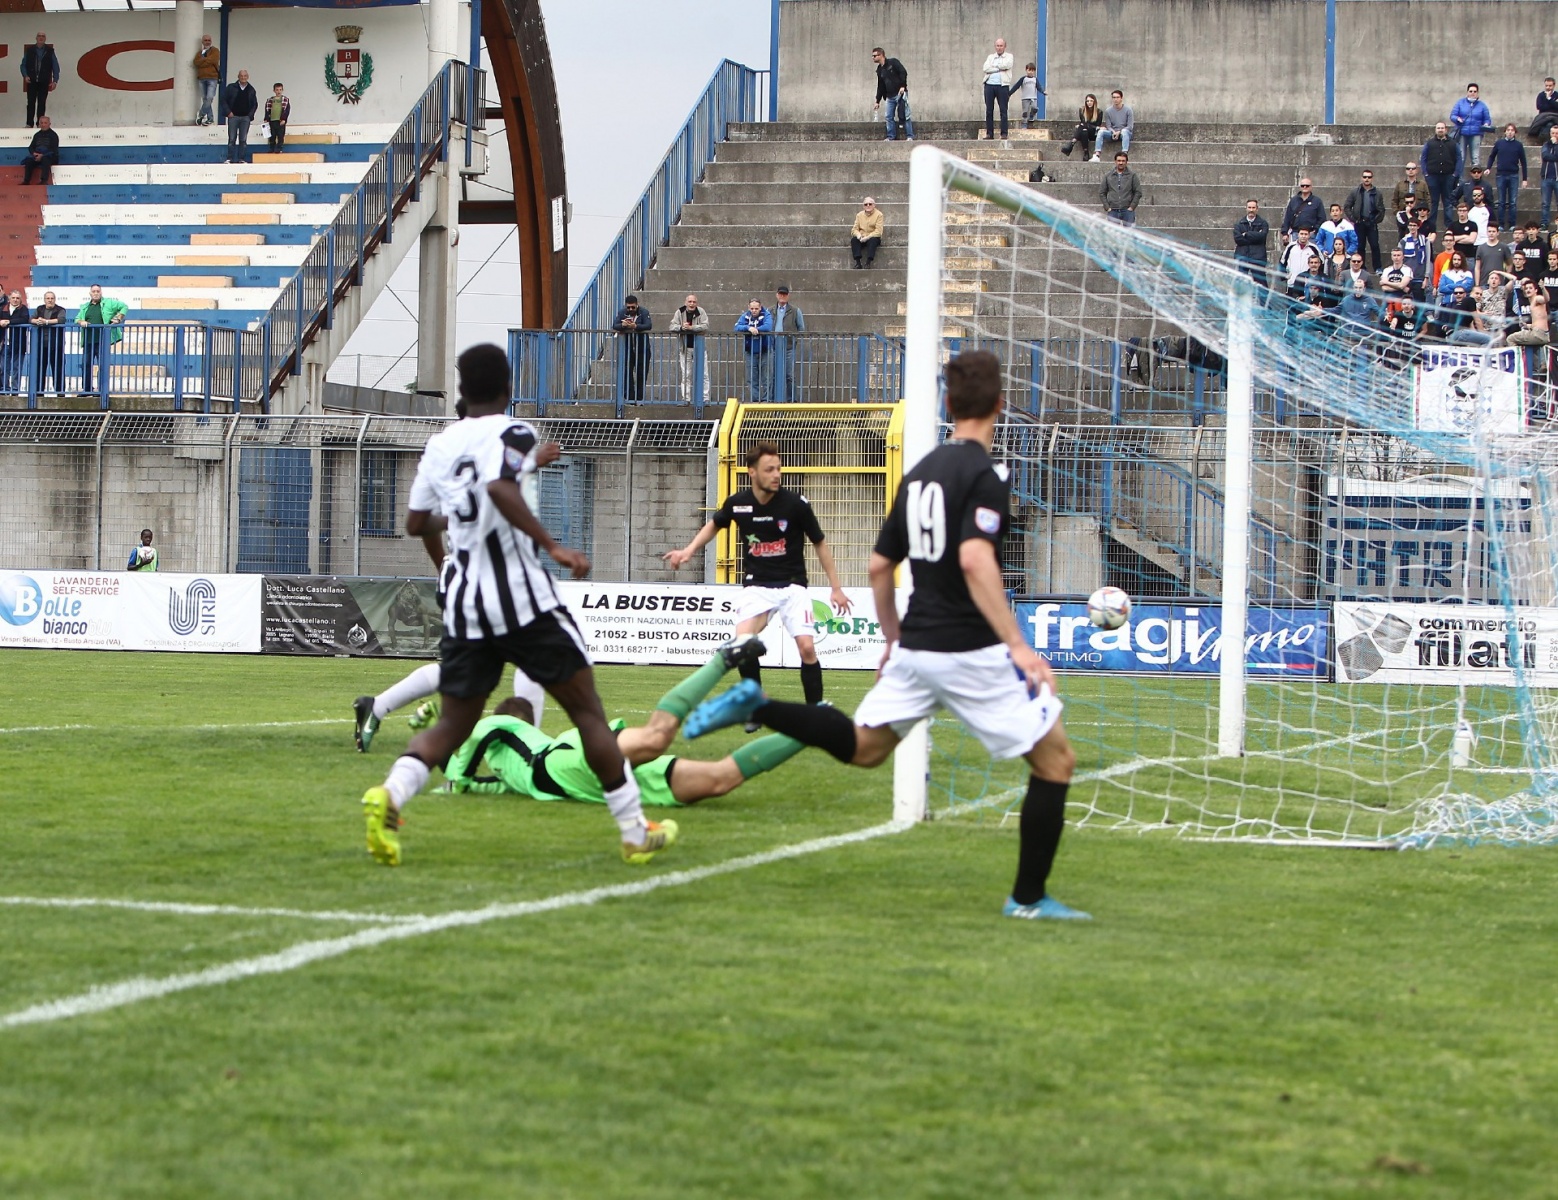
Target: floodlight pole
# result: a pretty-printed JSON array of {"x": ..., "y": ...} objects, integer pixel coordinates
[{"x": 1236, "y": 526}]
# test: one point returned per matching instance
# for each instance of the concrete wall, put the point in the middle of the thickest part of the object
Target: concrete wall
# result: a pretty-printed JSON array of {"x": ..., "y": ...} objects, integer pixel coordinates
[
  {"x": 1398, "y": 61},
  {"x": 104, "y": 81}
]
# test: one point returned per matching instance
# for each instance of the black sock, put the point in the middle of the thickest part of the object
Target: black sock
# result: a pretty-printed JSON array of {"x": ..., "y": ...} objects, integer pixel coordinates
[
  {"x": 753, "y": 670},
  {"x": 1043, "y": 819},
  {"x": 826, "y": 728},
  {"x": 811, "y": 682}
]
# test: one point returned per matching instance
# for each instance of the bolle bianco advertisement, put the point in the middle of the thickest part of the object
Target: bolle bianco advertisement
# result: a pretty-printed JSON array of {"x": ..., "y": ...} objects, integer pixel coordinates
[{"x": 98, "y": 610}]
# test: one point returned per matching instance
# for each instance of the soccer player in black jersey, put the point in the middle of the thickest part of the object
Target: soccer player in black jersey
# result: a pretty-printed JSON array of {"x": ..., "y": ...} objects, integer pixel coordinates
[
  {"x": 958, "y": 646},
  {"x": 774, "y": 523}
]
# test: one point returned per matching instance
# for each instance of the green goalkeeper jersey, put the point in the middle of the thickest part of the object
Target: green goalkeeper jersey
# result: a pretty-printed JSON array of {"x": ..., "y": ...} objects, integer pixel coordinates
[{"x": 524, "y": 760}]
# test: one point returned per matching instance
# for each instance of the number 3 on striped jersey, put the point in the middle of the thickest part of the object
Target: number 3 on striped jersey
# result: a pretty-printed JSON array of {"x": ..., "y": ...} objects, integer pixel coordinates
[
  {"x": 467, "y": 467},
  {"x": 926, "y": 512}
]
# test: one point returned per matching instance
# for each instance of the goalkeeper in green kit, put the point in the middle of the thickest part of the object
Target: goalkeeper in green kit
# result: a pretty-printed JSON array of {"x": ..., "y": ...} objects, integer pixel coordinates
[{"x": 521, "y": 759}]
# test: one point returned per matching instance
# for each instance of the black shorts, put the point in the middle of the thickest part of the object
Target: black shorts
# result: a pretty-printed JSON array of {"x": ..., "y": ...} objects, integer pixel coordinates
[{"x": 550, "y": 650}]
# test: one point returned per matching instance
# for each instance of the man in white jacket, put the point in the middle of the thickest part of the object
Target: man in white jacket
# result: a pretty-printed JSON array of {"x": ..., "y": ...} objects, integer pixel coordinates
[
  {"x": 692, "y": 322},
  {"x": 998, "y": 88}
]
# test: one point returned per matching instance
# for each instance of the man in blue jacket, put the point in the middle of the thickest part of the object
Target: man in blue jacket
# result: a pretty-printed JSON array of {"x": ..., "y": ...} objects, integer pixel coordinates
[
  {"x": 241, "y": 103},
  {"x": 1471, "y": 119},
  {"x": 40, "y": 76},
  {"x": 755, "y": 322},
  {"x": 1507, "y": 161}
]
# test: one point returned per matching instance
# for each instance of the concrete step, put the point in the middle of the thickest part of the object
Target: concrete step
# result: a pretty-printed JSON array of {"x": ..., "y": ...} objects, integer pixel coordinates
[
  {"x": 864, "y": 175},
  {"x": 227, "y": 239},
  {"x": 831, "y": 222},
  {"x": 943, "y": 132}
]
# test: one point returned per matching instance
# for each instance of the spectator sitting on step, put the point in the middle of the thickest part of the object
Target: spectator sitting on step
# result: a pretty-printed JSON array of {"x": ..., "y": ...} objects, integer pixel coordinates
[
  {"x": 1119, "y": 125},
  {"x": 756, "y": 323},
  {"x": 277, "y": 109},
  {"x": 1304, "y": 211},
  {"x": 892, "y": 85},
  {"x": 1317, "y": 293},
  {"x": 43, "y": 152},
  {"x": 208, "y": 74},
  {"x": 865, "y": 238},
  {"x": 1336, "y": 228},
  {"x": 1089, "y": 118},
  {"x": 1460, "y": 323},
  {"x": 1546, "y": 112},
  {"x": 17, "y": 323},
  {"x": 1120, "y": 191},
  {"x": 242, "y": 104},
  {"x": 49, "y": 356}
]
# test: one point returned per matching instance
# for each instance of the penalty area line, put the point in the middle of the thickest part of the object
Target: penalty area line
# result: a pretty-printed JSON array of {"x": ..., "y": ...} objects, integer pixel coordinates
[
  {"x": 134, "y": 991},
  {"x": 178, "y": 908}
]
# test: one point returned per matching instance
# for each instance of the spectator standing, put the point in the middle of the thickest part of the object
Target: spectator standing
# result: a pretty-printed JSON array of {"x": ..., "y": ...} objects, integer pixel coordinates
[
  {"x": 1456, "y": 274},
  {"x": 49, "y": 344},
  {"x": 1030, "y": 91},
  {"x": 1507, "y": 161},
  {"x": 15, "y": 326},
  {"x": 1530, "y": 242},
  {"x": 998, "y": 88},
  {"x": 1304, "y": 211},
  {"x": 277, "y": 109},
  {"x": 1491, "y": 256},
  {"x": 1295, "y": 257},
  {"x": 1408, "y": 194},
  {"x": 43, "y": 152},
  {"x": 143, "y": 557},
  {"x": 1522, "y": 267},
  {"x": 102, "y": 327},
  {"x": 1471, "y": 120},
  {"x": 1355, "y": 274},
  {"x": 208, "y": 74},
  {"x": 1418, "y": 251},
  {"x": 1120, "y": 190},
  {"x": 1475, "y": 179},
  {"x": 1546, "y": 111},
  {"x": 787, "y": 319},
  {"x": 892, "y": 85},
  {"x": 692, "y": 322},
  {"x": 1089, "y": 118},
  {"x": 1365, "y": 208},
  {"x": 1492, "y": 298},
  {"x": 1440, "y": 161},
  {"x": 1550, "y": 278},
  {"x": 865, "y": 237},
  {"x": 1480, "y": 215},
  {"x": 40, "y": 76},
  {"x": 1549, "y": 178},
  {"x": 1119, "y": 125},
  {"x": 1460, "y": 232},
  {"x": 242, "y": 104},
  {"x": 756, "y": 323},
  {"x": 1336, "y": 228},
  {"x": 1395, "y": 281},
  {"x": 632, "y": 326},
  {"x": 1250, "y": 234},
  {"x": 1359, "y": 307}
]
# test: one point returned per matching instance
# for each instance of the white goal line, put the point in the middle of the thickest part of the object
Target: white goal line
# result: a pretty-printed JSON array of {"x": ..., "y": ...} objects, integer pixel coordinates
[
  {"x": 134, "y": 991},
  {"x": 178, "y": 908}
]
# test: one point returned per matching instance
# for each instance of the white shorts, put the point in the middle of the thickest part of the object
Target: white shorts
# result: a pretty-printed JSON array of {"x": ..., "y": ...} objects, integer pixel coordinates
[
  {"x": 791, "y": 603},
  {"x": 981, "y": 688}
]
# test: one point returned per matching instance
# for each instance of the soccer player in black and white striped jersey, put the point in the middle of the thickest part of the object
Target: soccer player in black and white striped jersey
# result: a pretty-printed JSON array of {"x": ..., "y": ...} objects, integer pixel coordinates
[{"x": 501, "y": 607}]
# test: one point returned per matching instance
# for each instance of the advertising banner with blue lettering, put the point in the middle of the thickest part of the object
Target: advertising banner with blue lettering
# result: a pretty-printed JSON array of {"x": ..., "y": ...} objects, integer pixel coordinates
[
  {"x": 95, "y": 610},
  {"x": 1178, "y": 639}
]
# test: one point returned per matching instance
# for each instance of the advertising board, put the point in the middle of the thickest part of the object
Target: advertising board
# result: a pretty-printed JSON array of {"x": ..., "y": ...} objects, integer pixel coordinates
[
  {"x": 1452, "y": 644},
  {"x": 96, "y": 610}
]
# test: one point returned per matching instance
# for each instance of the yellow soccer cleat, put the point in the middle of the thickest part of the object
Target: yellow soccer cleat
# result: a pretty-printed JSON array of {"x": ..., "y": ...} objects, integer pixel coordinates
[
  {"x": 383, "y": 820},
  {"x": 661, "y": 835}
]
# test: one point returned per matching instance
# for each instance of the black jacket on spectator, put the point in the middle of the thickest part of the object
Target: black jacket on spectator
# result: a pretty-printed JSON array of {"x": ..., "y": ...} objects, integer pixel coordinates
[
  {"x": 241, "y": 100},
  {"x": 1439, "y": 156},
  {"x": 1303, "y": 214},
  {"x": 1364, "y": 206},
  {"x": 20, "y": 327},
  {"x": 45, "y": 142},
  {"x": 891, "y": 77},
  {"x": 1249, "y": 238},
  {"x": 40, "y": 63},
  {"x": 1550, "y": 161}
]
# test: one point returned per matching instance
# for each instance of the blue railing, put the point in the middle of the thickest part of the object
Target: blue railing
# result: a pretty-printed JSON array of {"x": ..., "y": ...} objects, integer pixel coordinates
[{"x": 212, "y": 364}]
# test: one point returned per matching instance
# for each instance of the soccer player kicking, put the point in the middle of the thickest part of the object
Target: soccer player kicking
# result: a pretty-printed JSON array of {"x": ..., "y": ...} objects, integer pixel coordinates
[
  {"x": 774, "y": 523},
  {"x": 959, "y": 646},
  {"x": 524, "y": 760},
  {"x": 501, "y": 607}
]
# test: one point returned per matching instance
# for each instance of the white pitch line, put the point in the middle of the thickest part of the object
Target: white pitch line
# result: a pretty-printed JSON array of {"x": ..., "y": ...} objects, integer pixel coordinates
[
  {"x": 232, "y": 725},
  {"x": 206, "y": 910},
  {"x": 44, "y": 728},
  {"x": 134, "y": 991}
]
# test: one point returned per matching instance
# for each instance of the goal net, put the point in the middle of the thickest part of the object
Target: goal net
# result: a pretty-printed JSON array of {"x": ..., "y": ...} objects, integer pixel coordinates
[{"x": 1341, "y": 545}]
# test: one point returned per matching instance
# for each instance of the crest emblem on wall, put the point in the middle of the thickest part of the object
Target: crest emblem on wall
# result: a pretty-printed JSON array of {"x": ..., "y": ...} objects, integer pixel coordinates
[{"x": 349, "y": 70}]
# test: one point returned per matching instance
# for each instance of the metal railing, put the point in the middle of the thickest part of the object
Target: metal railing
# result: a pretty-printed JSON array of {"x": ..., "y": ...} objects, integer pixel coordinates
[
  {"x": 231, "y": 367},
  {"x": 734, "y": 94},
  {"x": 595, "y": 366}
]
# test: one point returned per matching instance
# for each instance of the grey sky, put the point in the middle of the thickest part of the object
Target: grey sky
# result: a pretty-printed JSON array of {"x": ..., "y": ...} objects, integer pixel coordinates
[{"x": 627, "y": 76}]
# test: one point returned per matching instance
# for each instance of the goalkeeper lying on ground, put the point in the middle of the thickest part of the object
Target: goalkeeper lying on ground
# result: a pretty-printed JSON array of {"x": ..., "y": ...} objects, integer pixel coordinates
[{"x": 522, "y": 759}]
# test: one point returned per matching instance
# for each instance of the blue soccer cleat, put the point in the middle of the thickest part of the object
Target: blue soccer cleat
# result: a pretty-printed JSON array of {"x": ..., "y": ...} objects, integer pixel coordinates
[
  {"x": 1047, "y": 909},
  {"x": 734, "y": 707}
]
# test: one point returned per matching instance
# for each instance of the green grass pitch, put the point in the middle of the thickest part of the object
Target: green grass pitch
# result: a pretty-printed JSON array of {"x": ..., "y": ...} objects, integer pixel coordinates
[{"x": 1238, "y": 1020}]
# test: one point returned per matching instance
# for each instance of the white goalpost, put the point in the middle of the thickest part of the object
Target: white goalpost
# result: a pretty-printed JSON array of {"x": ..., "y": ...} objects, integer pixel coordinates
[{"x": 1342, "y": 548}]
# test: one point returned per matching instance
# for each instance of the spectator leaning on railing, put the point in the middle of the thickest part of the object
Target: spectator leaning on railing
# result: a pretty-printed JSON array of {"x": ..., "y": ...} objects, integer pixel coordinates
[
  {"x": 787, "y": 318},
  {"x": 756, "y": 323},
  {"x": 691, "y": 321},
  {"x": 101, "y": 315},
  {"x": 49, "y": 354},
  {"x": 18, "y": 325},
  {"x": 632, "y": 325}
]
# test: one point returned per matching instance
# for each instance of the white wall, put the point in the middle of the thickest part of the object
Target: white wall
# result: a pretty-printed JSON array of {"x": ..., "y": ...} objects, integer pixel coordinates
[{"x": 286, "y": 45}]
